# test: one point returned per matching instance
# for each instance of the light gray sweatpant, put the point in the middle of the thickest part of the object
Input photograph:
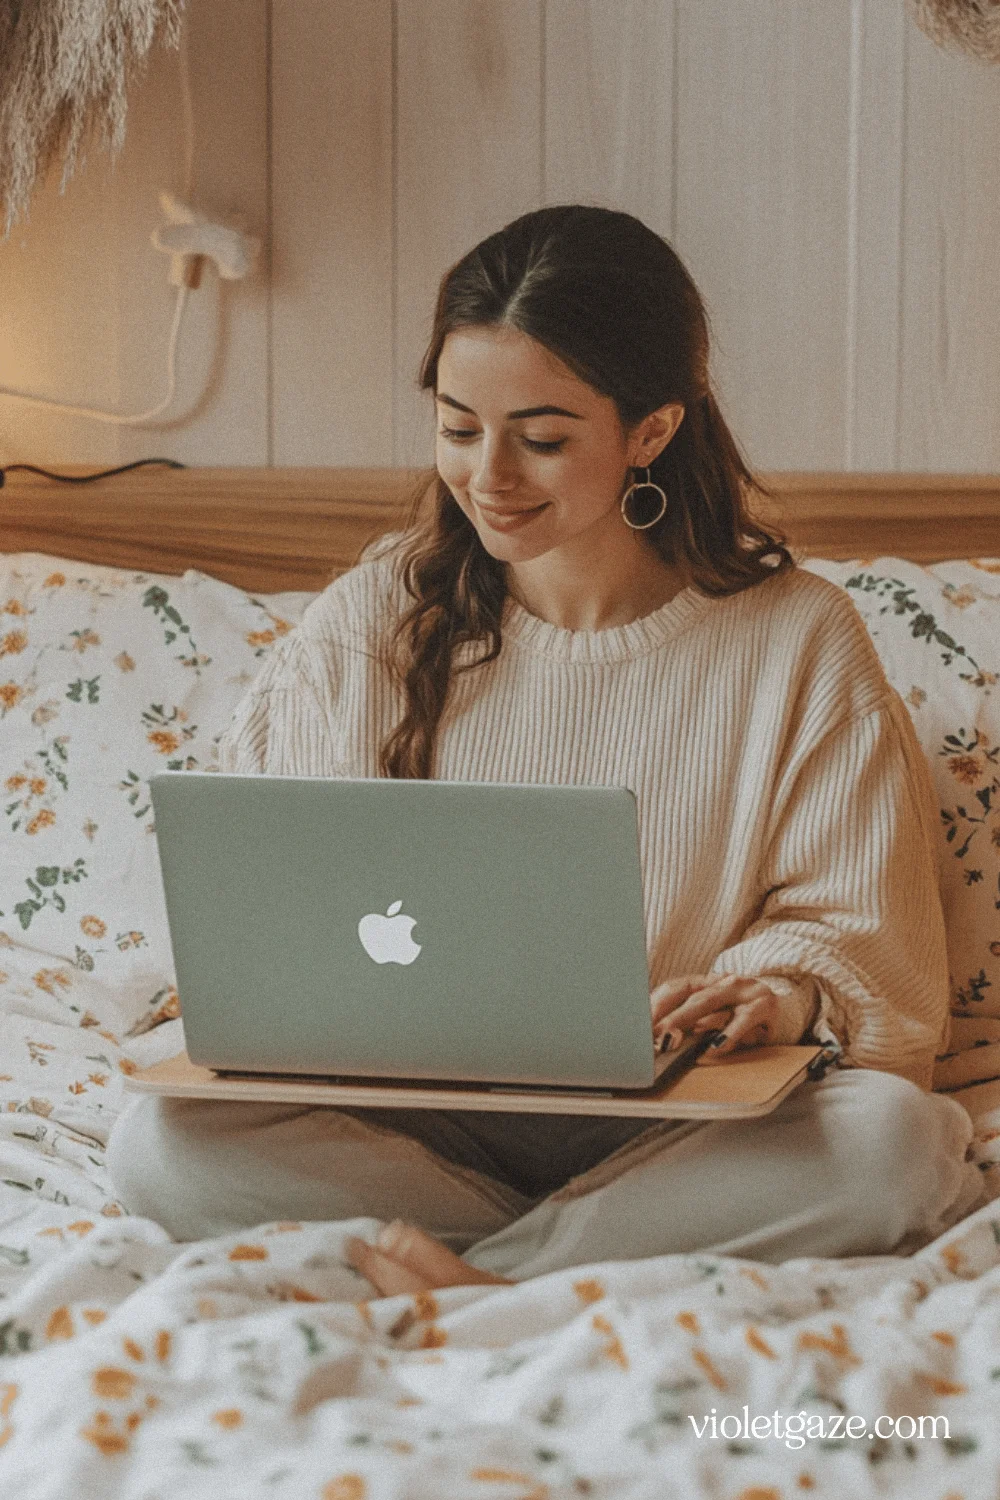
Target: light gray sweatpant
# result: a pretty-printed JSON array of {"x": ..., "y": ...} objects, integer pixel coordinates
[{"x": 858, "y": 1163}]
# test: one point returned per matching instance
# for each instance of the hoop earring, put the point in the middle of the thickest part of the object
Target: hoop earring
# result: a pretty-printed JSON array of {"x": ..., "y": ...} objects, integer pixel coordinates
[{"x": 646, "y": 485}]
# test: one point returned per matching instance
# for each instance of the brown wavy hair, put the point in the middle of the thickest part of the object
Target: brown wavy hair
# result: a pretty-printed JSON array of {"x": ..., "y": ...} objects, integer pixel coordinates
[{"x": 611, "y": 300}]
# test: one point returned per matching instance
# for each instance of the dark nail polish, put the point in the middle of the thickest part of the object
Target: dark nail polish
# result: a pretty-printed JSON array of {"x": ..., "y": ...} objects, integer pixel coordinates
[{"x": 717, "y": 1041}]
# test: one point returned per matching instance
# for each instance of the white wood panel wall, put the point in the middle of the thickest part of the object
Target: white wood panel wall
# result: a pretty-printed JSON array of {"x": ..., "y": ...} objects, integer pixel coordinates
[{"x": 830, "y": 178}]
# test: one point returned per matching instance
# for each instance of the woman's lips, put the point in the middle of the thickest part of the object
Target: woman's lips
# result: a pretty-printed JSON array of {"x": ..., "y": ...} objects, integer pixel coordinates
[{"x": 509, "y": 520}]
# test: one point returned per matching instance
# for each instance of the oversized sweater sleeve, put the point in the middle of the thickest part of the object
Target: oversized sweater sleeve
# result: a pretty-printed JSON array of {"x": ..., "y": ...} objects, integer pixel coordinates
[
  {"x": 851, "y": 924},
  {"x": 281, "y": 726}
]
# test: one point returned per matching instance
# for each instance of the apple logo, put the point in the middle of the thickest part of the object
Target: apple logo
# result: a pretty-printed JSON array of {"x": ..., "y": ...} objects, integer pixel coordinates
[{"x": 387, "y": 939}]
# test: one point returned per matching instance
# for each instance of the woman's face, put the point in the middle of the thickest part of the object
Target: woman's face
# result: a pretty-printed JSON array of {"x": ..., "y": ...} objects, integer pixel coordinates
[{"x": 534, "y": 456}]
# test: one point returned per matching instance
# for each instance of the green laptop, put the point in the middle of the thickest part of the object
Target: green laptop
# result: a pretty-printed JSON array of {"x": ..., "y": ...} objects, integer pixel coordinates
[{"x": 372, "y": 928}]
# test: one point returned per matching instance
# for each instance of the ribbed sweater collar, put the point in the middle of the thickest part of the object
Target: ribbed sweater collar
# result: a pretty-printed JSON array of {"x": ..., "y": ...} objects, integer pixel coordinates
[{"x": 617, "y": 643}]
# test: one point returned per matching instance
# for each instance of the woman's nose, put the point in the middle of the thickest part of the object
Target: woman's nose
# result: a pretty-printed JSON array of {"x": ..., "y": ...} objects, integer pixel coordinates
[{"x": 495, "y": 471}]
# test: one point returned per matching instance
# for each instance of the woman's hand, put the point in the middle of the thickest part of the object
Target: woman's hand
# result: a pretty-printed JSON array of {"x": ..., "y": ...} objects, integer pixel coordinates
[{"x": 746, "y": 1008}]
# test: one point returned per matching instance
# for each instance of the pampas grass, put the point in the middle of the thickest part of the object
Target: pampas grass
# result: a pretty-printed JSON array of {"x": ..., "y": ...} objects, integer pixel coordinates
[
  {"x": 64, "y": 65},
  {"x": 971, "y": 26}
]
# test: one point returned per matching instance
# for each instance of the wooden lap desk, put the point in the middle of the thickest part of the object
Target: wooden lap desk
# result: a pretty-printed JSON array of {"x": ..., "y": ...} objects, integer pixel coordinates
[{"x": 740, "y": 1086}]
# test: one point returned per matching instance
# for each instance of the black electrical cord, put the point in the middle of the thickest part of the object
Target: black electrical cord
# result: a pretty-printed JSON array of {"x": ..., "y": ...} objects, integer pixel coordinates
[{"x": 86, "y": 478}]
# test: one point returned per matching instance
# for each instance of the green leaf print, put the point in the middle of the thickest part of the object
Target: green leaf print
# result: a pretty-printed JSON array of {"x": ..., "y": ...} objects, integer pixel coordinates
[
  {"x": 974, "y": 989},
  {"x": 135, "y": 788},
  {"x": 158, "y": 600},
  {"x": 33, "y": 804},
  {"x": 923, "y": 626},
  {"x": 14, "y": 1340},
  {"x": 75, "y": 690},
  {"x": 313, "y": 1344},
  {"x": 47, "y": 878}
]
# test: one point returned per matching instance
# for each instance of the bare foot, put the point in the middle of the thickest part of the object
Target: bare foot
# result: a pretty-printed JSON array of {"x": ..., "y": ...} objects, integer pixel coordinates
[{"x": 406, "y": 1259}]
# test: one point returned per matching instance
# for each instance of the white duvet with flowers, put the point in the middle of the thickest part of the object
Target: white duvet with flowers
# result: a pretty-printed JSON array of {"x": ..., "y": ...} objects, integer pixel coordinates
[{"x": 250, "y": 1365}]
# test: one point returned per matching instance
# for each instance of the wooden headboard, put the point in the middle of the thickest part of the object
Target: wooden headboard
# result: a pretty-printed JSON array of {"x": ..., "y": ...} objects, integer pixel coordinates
[{"x": 272, "y": 529}]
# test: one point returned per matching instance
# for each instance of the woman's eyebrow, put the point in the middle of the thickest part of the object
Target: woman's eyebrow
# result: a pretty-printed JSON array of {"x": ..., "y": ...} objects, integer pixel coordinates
[{"x": 513, "y": 416}]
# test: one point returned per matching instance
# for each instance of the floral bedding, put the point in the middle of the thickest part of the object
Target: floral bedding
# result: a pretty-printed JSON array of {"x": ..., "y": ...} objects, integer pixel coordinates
[{"x": 250, "y": 1365}]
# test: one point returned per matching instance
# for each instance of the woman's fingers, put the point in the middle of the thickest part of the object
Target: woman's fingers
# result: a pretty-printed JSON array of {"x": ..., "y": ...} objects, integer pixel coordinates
[
  {"x": 714, "y": 994},
  {"x": 744, "y": 1007},
  {"x": 666, "y": 998},
  {"x": 749, "y": 1027},
  {"x": 715, "y": 1021}
]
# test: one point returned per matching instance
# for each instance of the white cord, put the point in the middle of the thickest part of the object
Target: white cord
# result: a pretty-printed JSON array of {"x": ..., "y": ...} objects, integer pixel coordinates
[
  {"x": 109, "y": 416},
  {"x": 95, "y": 413},
  {"x": 187, "y": 100}
]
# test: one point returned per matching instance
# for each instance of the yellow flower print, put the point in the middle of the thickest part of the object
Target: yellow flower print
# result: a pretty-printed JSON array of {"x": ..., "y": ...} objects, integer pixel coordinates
[
  {"x": 13, "y": 642},
  {"x": 54, "y": 581},
  {"x": 613, "y": 1349},
  {"x": 44, "y": 818},
  {"x": 93, "y": 927},
  {"x": 13, "y": 607},
  {"x": 112, "y": 1383},
  {"x": 105, "y": 1436},
  {"x": 15, "y": 783},
  {"x": 261, "y": 637},
  {"x": 836, "y": 1343},
  {"x": 961, "y": 598},
  {"x": 60, "y": 1325},
  {"x": 49, "y": 979},
  {"x": 281, "y": 627},
  {"x": 10, "y": 695},
  {"x": 228, "y": 1419},
  {"x": 124, "y": 662},
  {"x": 940, "y": 1386},
  {"x": 37, "y": 785},
  {"x": 84, "y": 638},
  {"x": 916, "y": 696},
  {"x": 536, "y": 1491},
  {"x": 164, "y": 741},
  {"x": 345, "y": 1487},
  {"x": 8, "y": 1395},
  {"x": 707, "y": 1368},
  {"x": 965, "y": 768},
  {"x": 758, "y": 1343},
  {"x": 45, "y": 712},
  {"x": 126, "y": 940}
]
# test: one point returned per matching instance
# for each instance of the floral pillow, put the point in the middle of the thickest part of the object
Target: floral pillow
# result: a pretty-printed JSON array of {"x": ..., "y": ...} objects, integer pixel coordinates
[
  {"x": 937, "y": 632},
  {"x": 107, "y": 675}
]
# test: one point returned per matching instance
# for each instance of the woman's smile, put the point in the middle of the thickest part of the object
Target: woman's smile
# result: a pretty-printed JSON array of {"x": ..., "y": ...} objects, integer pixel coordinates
[{"x": 509, "y": 519}]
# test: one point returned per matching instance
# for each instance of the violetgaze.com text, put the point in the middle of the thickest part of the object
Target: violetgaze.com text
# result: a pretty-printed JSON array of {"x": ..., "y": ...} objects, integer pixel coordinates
[{"x": 795, "y": 1429}]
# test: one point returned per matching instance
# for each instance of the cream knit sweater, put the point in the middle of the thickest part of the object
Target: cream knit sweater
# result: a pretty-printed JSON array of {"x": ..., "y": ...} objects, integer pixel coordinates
[{"x": 786, "y": 814}]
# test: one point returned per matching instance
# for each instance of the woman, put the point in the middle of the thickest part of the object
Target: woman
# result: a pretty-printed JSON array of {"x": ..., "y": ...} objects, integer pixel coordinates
[{"x": 588, "y": 600}]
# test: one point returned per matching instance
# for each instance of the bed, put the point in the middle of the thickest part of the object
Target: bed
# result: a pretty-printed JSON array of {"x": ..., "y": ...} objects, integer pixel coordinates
[{"x": 134, "y": 612}]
